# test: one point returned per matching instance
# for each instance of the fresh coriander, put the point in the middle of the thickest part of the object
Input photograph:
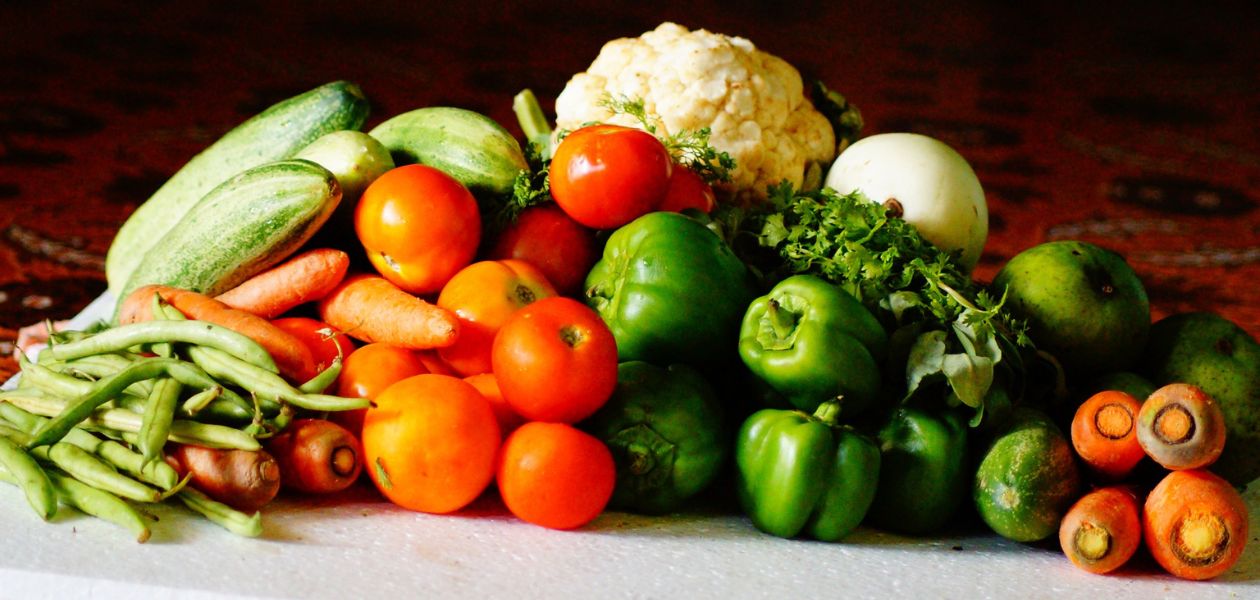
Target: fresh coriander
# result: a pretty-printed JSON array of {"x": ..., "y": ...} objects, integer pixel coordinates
[{"x": 689, "y": 148}]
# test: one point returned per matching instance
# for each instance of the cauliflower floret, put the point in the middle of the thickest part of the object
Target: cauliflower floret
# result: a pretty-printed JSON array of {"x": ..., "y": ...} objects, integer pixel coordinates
[{"x": 753, "y": 102}]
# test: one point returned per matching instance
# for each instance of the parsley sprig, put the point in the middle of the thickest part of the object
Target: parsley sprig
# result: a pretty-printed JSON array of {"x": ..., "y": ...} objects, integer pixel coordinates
[
  {"x": 690, "y": 148},
  {"x": 958, "y": 331}
]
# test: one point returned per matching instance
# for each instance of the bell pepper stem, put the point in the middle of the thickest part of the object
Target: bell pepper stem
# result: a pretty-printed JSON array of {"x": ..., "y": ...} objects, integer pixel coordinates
[
  {"x": 780, "y": 320},
  {"x": 828, "y": 413}
]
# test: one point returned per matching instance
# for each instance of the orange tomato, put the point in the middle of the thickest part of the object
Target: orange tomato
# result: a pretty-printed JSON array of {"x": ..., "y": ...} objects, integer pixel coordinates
[
  {"x": 483, "y": 295},
  {"x": 419, "y": 226},
  {"x": 430, "y": 443},
  {"x": 503, "y": 413},
  {"x": 366, "y": 372},
  {"x": 324, "y": 342},
  {"x": 554, "y": 475},
  {"x": 555, "y": 360}
]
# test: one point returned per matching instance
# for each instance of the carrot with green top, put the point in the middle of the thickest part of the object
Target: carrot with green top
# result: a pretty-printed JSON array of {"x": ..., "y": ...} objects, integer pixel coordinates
[
  {"x": 307, "y": 277},
  {"x": 292, "y": 356},
  {"x": 371, "y": 309}
]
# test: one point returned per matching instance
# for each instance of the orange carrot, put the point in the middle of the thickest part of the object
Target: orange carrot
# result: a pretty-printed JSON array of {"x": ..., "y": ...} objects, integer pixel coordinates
[
  {"x": 316, "y": 456},
  {"x": 434, "y": 363},
  {"x": 1181, "y": 427},
  {"x": 243, "y": 479},
  {"x": 1195, "y": 524},
  {"x": 371, "y": 309},
  {"x": 291, "y": 355},
  {"x": 1102, "y": 530},
  {"x": 307, "y": 277},
  {"x": 1104, "y": 433}
]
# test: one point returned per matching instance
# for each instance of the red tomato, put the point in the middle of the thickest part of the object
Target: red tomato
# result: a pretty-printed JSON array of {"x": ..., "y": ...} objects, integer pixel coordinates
[
  {"x": 483, "y": 295},
  {"x": 554, "y": 475},
  {"x": 688, "y": 190},
  {"x": 430, "y": 443},
  {"x": 366, "y": 373},
  {"x": 555, "y": 360},
  {"x": 324, "y": 342},
  {"x": 419, "y": 226},
  {"x": 605, "y": 176},
  {"x": 546, "y": 237}
]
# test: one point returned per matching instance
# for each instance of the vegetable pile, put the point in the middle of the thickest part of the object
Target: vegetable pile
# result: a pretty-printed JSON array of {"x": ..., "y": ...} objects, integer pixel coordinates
[{"x": 657, "y": 303}]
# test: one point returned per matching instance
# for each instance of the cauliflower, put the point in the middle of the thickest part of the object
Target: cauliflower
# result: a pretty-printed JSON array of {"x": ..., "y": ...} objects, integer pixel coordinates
[{"x": 753, "y": 102}]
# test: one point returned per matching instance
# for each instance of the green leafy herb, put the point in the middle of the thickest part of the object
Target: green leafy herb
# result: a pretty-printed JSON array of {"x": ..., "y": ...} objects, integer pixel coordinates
[
  {"x": 689, "y": 148},
  {"x": 961, "y": 332},
  {"x": 531, "y": 188}
]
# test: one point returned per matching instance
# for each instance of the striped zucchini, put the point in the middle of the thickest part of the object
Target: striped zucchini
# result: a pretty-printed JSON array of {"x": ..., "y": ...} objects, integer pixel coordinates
[
  {"x": 275, "y": 134},
  {"x": 466, "y": 145},
  {"x": 246, "y": 225}
]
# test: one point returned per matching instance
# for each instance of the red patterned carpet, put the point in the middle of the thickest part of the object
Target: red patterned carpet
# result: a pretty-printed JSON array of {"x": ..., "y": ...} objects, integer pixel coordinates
[{"x": 1133, "y": 127}]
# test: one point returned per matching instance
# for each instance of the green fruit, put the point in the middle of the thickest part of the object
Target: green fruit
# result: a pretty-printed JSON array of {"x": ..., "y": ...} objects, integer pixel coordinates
[
  {"x": 1083, "y": 303},
  {"x": 1213, "y": 353},
  {"x": 1027, "y": 479}
]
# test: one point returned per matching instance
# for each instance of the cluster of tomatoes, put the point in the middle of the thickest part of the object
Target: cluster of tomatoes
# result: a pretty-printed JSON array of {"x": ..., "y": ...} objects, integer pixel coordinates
[{"x": 500, "y": 404}]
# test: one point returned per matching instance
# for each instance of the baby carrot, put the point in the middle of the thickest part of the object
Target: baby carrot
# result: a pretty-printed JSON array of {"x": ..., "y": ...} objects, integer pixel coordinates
[
  {"x": 292, "y": 357},
  {"x": 307, "y": 277},
  {"x": 1104, "y": 433},
  {"x": 1195, "y": 524},
  {"x": 371, "y": 309},
  {"x": 1102, "y": 530},
  {"x": 1181, "y": 427}
]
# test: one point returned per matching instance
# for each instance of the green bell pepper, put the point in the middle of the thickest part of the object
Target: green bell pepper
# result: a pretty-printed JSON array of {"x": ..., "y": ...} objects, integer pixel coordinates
[
  {"x": 665, "y": 429},
  {"x": 670, "y": 290},
  {"x": 812, "y": 341},
  {"x": 799, "y": 473},
  {"x": 925, "y": 477}
]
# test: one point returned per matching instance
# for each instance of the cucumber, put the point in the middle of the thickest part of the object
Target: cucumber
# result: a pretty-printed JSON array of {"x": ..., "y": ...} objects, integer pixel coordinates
[
  {"x": 1027, "y": 479},
  {"x": 466, "y": 145},
  {"x": 245, "y": 225},
  {"x": 275, "y": 134}
]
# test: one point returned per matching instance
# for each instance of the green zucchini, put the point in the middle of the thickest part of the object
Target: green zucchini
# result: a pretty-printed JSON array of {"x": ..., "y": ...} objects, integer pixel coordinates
[
  {"x": 246, "y": 225},
  {"x": 275, "y": 134},
  {"x": 466, "y": 145}
]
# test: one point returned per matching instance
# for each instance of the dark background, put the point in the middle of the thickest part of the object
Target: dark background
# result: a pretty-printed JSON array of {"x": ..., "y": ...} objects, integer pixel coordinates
[{"x": 1134, "y": 126}]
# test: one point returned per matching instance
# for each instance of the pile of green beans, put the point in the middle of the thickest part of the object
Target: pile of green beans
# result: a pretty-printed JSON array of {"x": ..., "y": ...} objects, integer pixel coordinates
[{"x": 88, "y": 422}]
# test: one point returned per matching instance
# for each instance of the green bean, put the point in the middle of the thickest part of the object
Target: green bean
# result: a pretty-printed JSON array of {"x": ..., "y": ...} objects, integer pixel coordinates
[
  {"x": 157, "y": 473},
  {"x": 323, "y": 380},
  {"x": 158, "y": 414},
  {"x": 113, "y": 419},
  {"x": 200, "y": 400},
  {"x": 149, "y": 332},
  {"x": 162, "y": 348},
  {"x": 94, "y": 472},
  {"x": 265, "y": 385},
  {"x": 100, "y": 504},
  {"x": 221, "y": 514},
  {"x": 30, "y": 477},
  {"x": 102, "y": 391}
]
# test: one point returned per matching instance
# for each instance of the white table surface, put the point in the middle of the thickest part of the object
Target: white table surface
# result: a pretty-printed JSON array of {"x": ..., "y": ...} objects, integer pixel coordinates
[{"x": 356, "y": 545}]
